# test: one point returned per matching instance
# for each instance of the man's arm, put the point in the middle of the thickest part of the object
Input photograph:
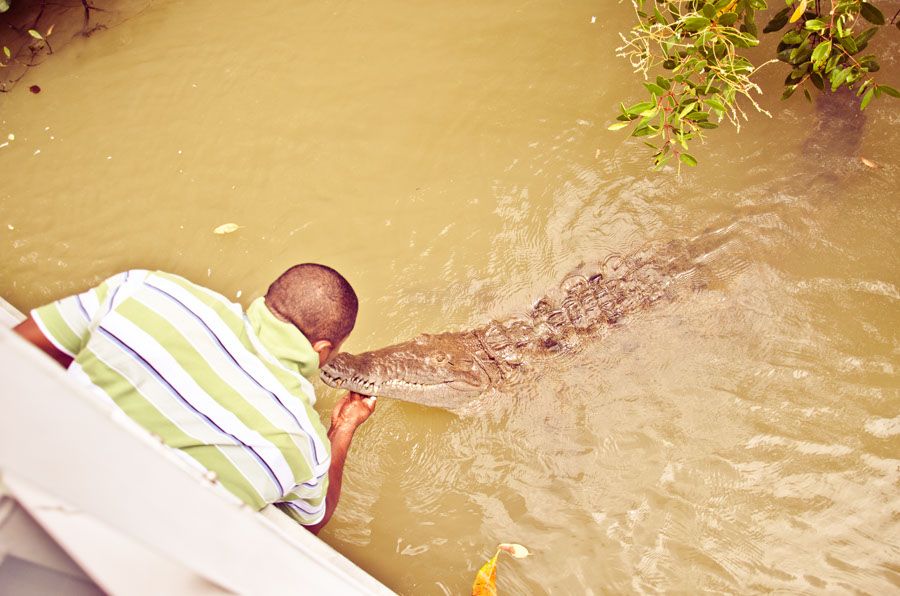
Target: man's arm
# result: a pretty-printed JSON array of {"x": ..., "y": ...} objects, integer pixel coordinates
[
  {"x": 32, "y": 333},
  {"x": 348, "y": 414}
]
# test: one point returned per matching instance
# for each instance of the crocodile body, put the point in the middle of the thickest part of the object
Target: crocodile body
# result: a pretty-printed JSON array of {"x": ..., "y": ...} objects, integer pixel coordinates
[{"x": 449, "y": 369}]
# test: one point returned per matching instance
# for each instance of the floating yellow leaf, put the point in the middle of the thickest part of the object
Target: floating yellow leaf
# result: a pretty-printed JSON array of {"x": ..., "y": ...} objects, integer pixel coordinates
[
  {"x": 516, "y": 550},
  {"x": 799, "y": 12},
  {"x": 227, "y": 228},
  {"x": 486, "y": 580}
]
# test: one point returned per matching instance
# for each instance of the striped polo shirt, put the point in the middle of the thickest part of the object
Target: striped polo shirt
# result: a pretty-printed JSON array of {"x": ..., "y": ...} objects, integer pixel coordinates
[{"x": 223, "y": 388}]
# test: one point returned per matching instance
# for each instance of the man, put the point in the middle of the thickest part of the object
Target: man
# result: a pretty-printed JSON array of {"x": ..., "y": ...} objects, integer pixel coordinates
[{"x": 223, "y": 388}]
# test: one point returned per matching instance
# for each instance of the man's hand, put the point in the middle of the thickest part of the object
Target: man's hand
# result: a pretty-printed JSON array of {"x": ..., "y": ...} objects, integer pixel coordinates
[
  {"x": 351, "y": 411},
  {"x": 348, "y": 413}
]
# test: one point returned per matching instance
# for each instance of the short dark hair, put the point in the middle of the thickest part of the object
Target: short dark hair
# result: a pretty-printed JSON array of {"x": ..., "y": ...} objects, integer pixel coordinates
[{"x": 317, "y": 300}]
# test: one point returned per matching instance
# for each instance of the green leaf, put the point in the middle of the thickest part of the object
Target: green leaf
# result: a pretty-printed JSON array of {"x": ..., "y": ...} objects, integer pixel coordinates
[
  {"x": 821, "y": 53},
  {"x": 849, "y": 44},
  {"x": 709, "y": 11},
  {"x": 728, "y": 19},
  {"x": 806, "y": 94},
  {"x": 871, "y": 14},
  {"x": 815, "y": 25},
  {"x": 639, "y": 107},
  {"x": 863, "y": 38},
  {"x": 778, "y": 21},
  {"x": 888, "y": 90},
  {"x": 707, "y": 124},
  {"x": 788, "y": 91},
  {"x": 688, "y": 159},
  {"x": 817, "y": 80},
  {"x": 838, "y": 77},
  {"x": 750, "y": 28},
  {"x": 655, "y": 89},
  {"x": 869, "y": 63},
  {"x": 7, "y": 52},
  {"x": 714, "y": 104},
  {"x": 687, "y": 109},
  {"x": 35, "y": 34},
  {"x": 617, "y": 126},
  {"x": 793, "y": 37},
  {"x": 867, "y": 98},
  {"x": 4, "y": 5},
  {"x": 663, "y": 82},
  {"x": 695, "y": 23},
  {"x": 800, "y": 54}
]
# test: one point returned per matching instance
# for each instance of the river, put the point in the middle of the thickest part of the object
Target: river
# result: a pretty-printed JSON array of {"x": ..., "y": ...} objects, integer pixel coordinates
[{"x": 452, "y": 160}]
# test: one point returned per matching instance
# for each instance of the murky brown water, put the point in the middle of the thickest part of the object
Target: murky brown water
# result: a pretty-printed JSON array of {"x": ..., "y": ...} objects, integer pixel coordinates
[{"x": 453, "y": 161}]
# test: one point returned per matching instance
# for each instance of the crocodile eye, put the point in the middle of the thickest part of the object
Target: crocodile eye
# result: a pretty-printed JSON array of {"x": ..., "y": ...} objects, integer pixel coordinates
[{"x": 440, "y": 359}]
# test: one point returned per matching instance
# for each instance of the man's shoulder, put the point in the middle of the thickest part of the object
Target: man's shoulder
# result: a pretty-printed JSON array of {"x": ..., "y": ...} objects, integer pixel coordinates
[
  {"x": 164, "y": 279},
  {"x": 172, "y": 295}
]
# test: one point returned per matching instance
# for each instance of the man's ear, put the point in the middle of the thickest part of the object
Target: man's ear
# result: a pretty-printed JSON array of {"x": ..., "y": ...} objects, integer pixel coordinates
[{"x": 323, "y": 348}]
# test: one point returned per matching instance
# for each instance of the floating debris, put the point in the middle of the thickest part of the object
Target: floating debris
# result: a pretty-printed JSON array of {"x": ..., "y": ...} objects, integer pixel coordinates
[
  {"x": 35, "y": 89},
  {"x": 227, "y": 228},
  {"x": 868, "y": 163},
  {"x": 516, "y": 550}
]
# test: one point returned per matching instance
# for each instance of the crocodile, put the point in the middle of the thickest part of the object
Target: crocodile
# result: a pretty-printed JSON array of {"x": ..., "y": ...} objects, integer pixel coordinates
[{"x": 450, "y": 369}]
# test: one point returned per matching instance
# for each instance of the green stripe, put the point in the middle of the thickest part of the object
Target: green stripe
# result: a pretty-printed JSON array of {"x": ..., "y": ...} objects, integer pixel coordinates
[
  {"x": 212, "y": 457},
  {"x": 102, "y": 291},
  {"x": 54, "y": 323}
]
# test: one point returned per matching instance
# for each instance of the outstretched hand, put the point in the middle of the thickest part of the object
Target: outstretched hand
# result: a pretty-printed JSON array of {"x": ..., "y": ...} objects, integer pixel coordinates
[{"x": 351, "y": 411}]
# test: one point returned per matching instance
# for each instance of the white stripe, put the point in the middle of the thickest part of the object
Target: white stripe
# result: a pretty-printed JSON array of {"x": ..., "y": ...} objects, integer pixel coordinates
[
  {"x": 181, "y": 416},
  {"x": 91, "y": 303},
  {"x": 75, "y": 320},
  {"x": 251, "y": 364},
  {"x": 172, "y": 371}
]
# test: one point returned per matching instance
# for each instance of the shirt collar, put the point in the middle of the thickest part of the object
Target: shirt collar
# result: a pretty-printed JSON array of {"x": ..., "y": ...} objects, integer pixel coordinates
[{"x": 283, "y": 340}]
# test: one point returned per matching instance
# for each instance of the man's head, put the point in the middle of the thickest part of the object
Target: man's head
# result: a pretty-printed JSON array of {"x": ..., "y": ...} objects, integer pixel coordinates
[{"x": 319, "y": 302}]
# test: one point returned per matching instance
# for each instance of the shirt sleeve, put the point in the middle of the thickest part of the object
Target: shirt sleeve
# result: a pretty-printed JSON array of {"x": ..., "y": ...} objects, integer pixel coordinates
[
  {"x": 68, "y": 322},
  {"x": 305, "y": 504}
]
